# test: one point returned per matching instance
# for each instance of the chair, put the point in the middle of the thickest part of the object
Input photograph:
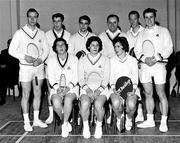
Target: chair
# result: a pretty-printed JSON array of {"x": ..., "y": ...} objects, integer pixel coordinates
[
  {"x": 177, "y": 75},
  {"x": 123, "y": 120}
]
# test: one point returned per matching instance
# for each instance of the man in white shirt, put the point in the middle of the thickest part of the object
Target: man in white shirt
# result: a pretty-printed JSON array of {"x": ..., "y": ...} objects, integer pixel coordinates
[
  {"x": 58, "y": 31},
  {"x": 132, "y": 34},
  {"x": 151, "y": 68},
  {"x": 31, "y": 68},
  {"x": 77, "y": 41},
  {"x": 107, "y": 36}
]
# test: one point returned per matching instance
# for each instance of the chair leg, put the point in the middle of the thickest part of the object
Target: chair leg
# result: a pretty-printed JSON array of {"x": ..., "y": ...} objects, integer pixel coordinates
[{"x": 57, "y": 121}]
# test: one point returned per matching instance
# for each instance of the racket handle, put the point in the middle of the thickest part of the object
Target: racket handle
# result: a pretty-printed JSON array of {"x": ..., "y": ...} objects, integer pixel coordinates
[{"x": 36, "y": 80}]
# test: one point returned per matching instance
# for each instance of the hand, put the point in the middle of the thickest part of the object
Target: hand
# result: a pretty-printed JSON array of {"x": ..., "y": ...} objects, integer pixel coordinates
[
  {"x": 37, "y": 62},
  {"x": 115, "y": 91},
  {"x": 90, "y": 93},
  {"x": 29, "y": 59},
  {"x": 97, "y": 92},
  {"x": 66, "y": 89},
  {"x": 61, "y": 91},
  {"x": 150, "y": 61}
]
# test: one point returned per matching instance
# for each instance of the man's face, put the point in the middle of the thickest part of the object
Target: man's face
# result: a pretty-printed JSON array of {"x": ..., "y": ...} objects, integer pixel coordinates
[
  {"x": 57, "y": 23},
  {"x": 32, "y": 18},
  {"x": 149, "y": 19},
  {"x": 112, "y": 24},
  {"x": 83, "y": 25},
  {"x": 133, "y": 20}
]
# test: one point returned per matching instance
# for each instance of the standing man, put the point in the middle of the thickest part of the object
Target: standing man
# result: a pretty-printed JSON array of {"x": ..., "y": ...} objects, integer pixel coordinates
[
  {"x": 77, "y": 41},
  {"x": 112, "y": 32},
  {"x": 132, "y": 34},
  {"x": 31, "y": 72},
  {"x": 151, "y": 68},
  {"x": 58, "y": 31}
]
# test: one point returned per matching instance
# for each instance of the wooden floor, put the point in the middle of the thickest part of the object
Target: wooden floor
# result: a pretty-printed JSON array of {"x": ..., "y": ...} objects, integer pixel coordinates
[{"x": 11, "y": 128}]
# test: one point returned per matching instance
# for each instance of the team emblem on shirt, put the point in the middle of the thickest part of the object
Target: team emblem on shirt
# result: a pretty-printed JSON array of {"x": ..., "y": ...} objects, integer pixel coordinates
[
  {"x": 39, "y": 40},
  {"x": 68, "y": 68},
  {"x": 100, "y": 66},
  {"x": 157, "y": 35}
]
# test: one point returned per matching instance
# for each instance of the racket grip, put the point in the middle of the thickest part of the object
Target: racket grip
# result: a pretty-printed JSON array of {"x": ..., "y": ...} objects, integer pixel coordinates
[{"x": 36, "y": 80}]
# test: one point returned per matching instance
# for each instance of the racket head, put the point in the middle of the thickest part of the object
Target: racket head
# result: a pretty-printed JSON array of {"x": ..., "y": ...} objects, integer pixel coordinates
[
  {"x": 80, "y": 54},
  {"x": 123, "y": 86},
  {"x": 94, "y": 80},
  {"x": 148, "y": 48},
  {"x": 32, "y": 50}
]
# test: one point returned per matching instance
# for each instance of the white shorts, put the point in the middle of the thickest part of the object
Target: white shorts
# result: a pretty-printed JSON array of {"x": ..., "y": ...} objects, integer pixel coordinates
[
  {"x": 28, "y": 73},
  {"x": 158, "y": 71},
  {"x": 73, "y": 90},
  {"x": 104, "y": 92}
]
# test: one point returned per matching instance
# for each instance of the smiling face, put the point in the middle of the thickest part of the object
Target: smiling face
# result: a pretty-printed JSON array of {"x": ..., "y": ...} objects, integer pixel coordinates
[
  {"x": 32, "y": 19},
  {"x": 149, "y": 19},
  {"x": 112, "y": 24},
  {"x": 94, "y": 48},
  {"x": 61, "y": 47},
  {"x": 118, "y": 49}
]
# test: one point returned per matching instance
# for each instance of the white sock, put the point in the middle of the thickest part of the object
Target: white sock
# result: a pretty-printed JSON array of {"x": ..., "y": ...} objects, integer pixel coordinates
[
  {"x": 163, "y": 119},
  {"x": 150, "y": 117},
  {"x": 140, "y": 112},
  {"x": 51, "y": 111},
  {"x": 26, "y": 118},
  {"x": 98, "y": 123},
  {"x": 85, "y": 123},
  {"x": 127, "y": 118},
  {"x": 36, "y": 115}
]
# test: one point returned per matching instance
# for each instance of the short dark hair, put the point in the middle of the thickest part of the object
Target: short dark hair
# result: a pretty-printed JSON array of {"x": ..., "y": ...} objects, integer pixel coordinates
[
  {"x": 57, "y": 40},
  {"x": 85, "y": 17},
  {"x": 58, "y": 15},
  {"x": 149, "y": 10},
  {"x": 112, "y": 15},
  {"x": 32, "y": 10},
  {"x": 123, "y": 42},
  {"x": 91, "y": 39},
  {"x": 134, "y": 12}
]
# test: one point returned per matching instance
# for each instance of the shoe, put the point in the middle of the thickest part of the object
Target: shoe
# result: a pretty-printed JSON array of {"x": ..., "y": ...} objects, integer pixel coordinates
[
  {"x": 69, "y": 127},
  {"x": 28, "y": 127},
  {"x": 163, "y": 127},
  {"x": 65, "y": 130},
  {"x": 40, "y": 124},
  {"x": 146, "y": 124},
  {"x": 128, "y": 124},
  {"x": 139, "y": 118},
  {"x": 98, "y": 132},
  {"x": 49, "y": 120},
  {"x": 119, "y": 123},
  {"x": 86, "y": 132}
]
